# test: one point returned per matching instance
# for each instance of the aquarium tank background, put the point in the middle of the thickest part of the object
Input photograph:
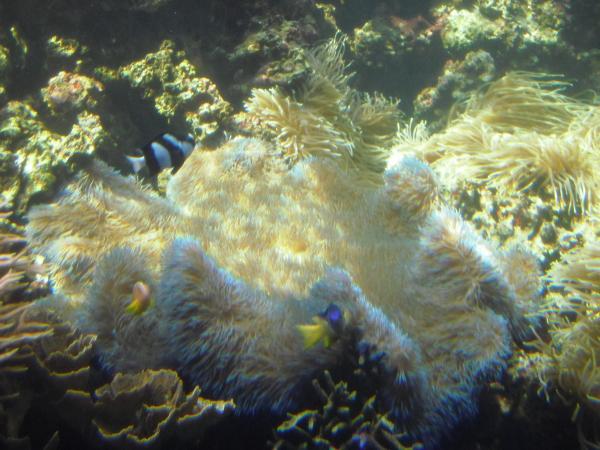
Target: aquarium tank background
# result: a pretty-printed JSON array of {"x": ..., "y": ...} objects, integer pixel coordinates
[{"x": 299, "y": 224}]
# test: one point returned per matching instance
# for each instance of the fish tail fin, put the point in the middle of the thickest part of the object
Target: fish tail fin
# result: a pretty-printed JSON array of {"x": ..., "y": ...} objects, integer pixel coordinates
[
  {"x": 137, "y": 163},
  {"x": 313, "y": 333},
  {"x": 137, "y": 307}
]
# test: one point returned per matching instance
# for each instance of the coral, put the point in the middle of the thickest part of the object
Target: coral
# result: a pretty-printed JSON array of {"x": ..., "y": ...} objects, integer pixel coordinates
[
  {"x": 70, "y": 92},
  {"x": 328, "y": 117},
  {"x": 301, "y": 133},
  {"x": 523, "y": 272},
  {"x": 46, "y": 370},
  {"x": 172, "y": 83},
  {"x": 245, "y": 248},
  {"x": 521, "y": 133},
  {"x": 35, "y": 158},
  {"x": 398, "y": 48},
  {"x": 18, "y": 269},
  {"x": 46, "y": 373},
  {"x": 579, "y": 274},
  {"x": 18, "y": 331},
  {"x": 345, "y": 420},
  {"x": 149, "y": 409}
]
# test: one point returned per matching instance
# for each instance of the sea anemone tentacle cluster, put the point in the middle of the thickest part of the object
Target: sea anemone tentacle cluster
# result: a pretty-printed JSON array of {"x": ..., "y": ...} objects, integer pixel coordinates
[{"x": 246, "y": 248}]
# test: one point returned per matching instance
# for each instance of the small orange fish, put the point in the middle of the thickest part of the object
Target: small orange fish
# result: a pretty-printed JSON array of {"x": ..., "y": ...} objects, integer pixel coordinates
[{"x": 140, "y": 298}]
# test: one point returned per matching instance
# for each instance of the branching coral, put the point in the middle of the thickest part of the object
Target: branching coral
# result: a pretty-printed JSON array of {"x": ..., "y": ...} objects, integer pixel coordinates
[
  {"x": 522, "y": 133},
  {"x": 248, "y": 247},
  {"x": 327, "y": 116},
  {"x": 344, "y": 421}
]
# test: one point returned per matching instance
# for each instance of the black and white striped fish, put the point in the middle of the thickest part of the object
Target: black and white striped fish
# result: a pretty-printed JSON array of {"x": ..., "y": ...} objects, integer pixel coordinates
[{"x": 165, "y": 150}]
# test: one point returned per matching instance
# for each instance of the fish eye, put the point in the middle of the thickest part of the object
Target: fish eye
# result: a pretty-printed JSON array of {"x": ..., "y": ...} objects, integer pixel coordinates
[{"x": 333, "y": 315}]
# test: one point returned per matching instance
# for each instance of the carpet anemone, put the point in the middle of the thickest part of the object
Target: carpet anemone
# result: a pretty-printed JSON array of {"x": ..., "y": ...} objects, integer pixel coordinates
[{"x": 248, "y": 251}]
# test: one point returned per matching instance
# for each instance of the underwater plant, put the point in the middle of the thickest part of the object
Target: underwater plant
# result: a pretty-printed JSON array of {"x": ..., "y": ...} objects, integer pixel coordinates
[
  {"x": 248, "y": 253},
  {"x": 522, "y": 133}
]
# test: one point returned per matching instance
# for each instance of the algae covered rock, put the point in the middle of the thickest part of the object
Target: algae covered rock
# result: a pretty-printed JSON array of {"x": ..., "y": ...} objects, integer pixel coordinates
[
  {"x": 66, "y": 54},
  {"x": 133, "y": 5},
  {"x": 172, "y": 83},
  {"x": 71, "y": 93},
  {"x": 458, "y": 81},
  {"x": 523, "y": 28},
  {"x": 36, "y": 157}
]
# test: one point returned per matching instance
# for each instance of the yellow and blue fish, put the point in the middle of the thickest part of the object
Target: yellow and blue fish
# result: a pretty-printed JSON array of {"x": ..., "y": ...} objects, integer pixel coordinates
[{"x": 325, "y": 327}]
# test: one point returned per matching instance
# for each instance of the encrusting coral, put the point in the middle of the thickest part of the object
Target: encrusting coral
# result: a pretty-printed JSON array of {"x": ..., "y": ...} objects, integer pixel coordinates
[
  {"x": 345, "y": 421},
  {"x": 522, "y": 133},
  {"x": 248, "y": 247}
]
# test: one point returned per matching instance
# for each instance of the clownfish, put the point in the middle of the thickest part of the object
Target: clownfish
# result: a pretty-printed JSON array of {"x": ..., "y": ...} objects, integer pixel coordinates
[
  {"x": 140, "y": 298},
  {"x": 164, "y": 151}
]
